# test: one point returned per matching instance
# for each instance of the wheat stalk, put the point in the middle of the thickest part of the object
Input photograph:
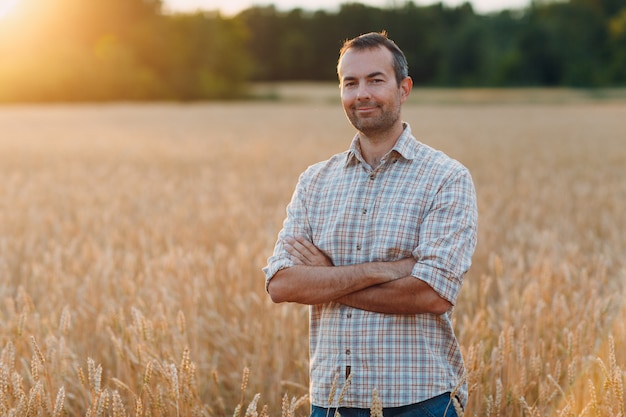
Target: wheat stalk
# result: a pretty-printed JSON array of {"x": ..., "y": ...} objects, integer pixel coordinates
[
  {"x": 59, "y": 403},
  {"x": 342, "y": 393},
  {"x": 376, "y": 409},
  {"x": 117, "y": 405},
  {"x": 244, "y": 386},
  {"x": 251, "y": 411},
  {"x": 333, "y": 390}
]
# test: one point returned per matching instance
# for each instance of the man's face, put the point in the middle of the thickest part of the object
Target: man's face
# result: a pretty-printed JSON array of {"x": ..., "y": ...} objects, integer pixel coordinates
[{"x": 370, "y": 93}]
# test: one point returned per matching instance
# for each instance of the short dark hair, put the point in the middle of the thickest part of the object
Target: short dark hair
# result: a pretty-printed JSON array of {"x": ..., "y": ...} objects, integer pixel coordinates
[{"x": 374, "y": 40}]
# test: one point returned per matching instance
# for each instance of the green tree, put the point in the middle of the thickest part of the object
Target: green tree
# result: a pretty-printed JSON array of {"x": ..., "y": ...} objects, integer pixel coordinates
[
  {"x": 464, "y": 58},
  {"x": 420, "y": 32},
  {"x": 196, "y": 56},
  {"x": 617, "y": 42},
  {"x": 296, "y": 58},
  {"x": 264, "y": 25},
  {"x": 535, "y": 59}
]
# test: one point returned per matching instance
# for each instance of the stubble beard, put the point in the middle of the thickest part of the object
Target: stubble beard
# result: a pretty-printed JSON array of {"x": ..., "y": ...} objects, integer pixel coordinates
[{"x": 372, "y": 126}]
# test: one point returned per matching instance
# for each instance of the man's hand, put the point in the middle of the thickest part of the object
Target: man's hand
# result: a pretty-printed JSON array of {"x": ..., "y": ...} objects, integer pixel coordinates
[{"x": 304, "y": 252}]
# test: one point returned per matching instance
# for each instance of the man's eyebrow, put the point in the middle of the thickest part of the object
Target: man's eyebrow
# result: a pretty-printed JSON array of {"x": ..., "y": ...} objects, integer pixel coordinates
[
  {"x": 371, "y": 75},
  {"x": 375, "y": 74}
]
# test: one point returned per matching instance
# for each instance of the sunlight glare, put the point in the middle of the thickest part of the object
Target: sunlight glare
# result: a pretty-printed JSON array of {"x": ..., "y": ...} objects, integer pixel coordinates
[{"x": 6, "y": 6}]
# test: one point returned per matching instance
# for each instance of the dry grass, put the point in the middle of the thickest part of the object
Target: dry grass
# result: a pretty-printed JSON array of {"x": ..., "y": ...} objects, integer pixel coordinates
[{"x": 132, "y": 237}]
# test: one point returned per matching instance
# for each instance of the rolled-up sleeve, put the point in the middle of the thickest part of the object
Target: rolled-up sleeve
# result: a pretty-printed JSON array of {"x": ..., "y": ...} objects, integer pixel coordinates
[
  {"x": 295, "y": 223},
  {"x": 448, "y": 236}
]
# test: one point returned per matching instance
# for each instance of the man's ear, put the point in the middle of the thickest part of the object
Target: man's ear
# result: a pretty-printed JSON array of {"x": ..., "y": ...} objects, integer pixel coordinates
[{"x": 406, "y": 86}]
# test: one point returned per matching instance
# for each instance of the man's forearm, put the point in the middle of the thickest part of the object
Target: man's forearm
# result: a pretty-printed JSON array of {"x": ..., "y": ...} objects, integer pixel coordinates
[
  {"x": 312, "y": 285},
  {"x": 407, "y": 295}
]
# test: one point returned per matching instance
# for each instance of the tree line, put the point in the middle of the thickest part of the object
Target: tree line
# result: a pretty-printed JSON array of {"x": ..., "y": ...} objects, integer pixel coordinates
[
  {"x": 579, "y": 43},
  {"x": 73, "y": 50}
]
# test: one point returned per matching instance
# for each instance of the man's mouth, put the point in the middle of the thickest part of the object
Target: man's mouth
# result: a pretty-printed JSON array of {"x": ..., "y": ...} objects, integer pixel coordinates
[{"x": 366, "y": 108}]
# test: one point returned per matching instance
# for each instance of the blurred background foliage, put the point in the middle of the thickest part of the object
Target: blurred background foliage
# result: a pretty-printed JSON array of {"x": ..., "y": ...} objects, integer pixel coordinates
[{"x": 73, "y": 50}]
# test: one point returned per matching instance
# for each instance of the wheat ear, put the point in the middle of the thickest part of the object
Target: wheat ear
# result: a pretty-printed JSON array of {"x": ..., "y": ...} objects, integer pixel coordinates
[{"x": 377, "y": 406}]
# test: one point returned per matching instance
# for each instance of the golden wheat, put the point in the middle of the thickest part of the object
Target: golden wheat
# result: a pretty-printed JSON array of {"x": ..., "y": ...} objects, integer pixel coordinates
[
  {"x": 376, "y": 409},
  {"x": 132, "y": 237}
]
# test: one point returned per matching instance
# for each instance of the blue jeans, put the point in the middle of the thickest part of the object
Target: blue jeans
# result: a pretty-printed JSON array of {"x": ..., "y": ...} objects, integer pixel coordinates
[{"x": 439, "y": 406}]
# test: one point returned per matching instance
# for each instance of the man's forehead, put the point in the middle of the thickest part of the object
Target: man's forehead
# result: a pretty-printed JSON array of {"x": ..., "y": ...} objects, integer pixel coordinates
[{"x": 365, "y": 62}]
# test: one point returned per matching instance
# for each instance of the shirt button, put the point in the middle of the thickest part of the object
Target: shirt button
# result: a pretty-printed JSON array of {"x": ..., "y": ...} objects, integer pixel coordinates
[
  {"x": 364, "y": 211},
  {"x": 358, "y": 247},
  {"x": 349, "y": 315},
  {"x": 372, "y": 176},
  {"x": 347, "y": 351}
]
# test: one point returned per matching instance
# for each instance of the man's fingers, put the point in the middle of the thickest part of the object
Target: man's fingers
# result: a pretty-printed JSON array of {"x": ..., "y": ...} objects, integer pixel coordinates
[
  {"x": 301, "y": 246},
  {"x": 305, "y": 248},
  {"x": 305, "y": 252},
  {"x": 308, "y": 246},
  {"x": 313, "y": 255},
  {"x": 296, "y": 260},
  {"x": 297, "y": 250}
]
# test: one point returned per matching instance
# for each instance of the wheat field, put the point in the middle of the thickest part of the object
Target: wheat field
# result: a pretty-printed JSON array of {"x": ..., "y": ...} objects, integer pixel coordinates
[{"x": 132, "y": 239}]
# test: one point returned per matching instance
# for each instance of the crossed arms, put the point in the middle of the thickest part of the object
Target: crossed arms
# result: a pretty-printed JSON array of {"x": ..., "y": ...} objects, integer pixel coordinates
[{"x": 382, "y": 287}]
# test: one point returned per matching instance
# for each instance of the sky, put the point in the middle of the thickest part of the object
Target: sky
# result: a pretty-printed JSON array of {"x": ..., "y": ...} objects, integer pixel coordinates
[{"x": 231, "y": 7}]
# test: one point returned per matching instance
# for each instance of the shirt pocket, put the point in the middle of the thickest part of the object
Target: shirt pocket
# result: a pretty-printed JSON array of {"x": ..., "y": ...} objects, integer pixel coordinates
[{"x": 395, "y": 229}]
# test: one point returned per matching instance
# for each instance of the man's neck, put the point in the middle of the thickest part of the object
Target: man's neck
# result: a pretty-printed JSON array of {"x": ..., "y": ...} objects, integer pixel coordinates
[{"x": 375, "y": 146}]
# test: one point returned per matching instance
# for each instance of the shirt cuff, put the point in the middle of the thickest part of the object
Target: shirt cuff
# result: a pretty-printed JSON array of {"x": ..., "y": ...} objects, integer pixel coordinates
[
  {"x": 271, "y": 269},
  {"x": 444, "y": 284}
]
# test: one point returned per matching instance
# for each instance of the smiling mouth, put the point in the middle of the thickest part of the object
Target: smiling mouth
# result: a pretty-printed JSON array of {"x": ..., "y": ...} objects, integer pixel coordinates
[{"x": 365, "y": 109}]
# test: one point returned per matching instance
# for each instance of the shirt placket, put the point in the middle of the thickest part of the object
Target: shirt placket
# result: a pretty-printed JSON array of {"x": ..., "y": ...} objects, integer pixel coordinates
[{"x": 367, "y": 192}]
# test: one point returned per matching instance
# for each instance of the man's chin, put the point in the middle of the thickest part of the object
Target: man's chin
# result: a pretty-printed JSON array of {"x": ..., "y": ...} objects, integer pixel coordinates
[
  {"x": 364, "y": 123},
  {"x": 368, "y": 126}
]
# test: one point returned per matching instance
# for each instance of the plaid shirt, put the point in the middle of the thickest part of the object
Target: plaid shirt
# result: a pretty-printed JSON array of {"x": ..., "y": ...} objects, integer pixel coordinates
[{"x": 418, "y": 202}]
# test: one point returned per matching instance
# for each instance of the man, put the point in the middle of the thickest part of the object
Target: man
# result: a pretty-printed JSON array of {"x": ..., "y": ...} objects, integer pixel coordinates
[{"x": 377, "y": 240}]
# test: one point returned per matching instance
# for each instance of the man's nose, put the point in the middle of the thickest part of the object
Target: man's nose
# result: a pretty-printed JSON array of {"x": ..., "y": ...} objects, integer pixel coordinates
[{"x": 363, "y": 92}]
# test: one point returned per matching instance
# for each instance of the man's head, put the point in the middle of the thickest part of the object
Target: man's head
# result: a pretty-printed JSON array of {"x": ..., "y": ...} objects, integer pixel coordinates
[
  {"x": 375, "y": 40},
  {"x": 374, "y": 84}
]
